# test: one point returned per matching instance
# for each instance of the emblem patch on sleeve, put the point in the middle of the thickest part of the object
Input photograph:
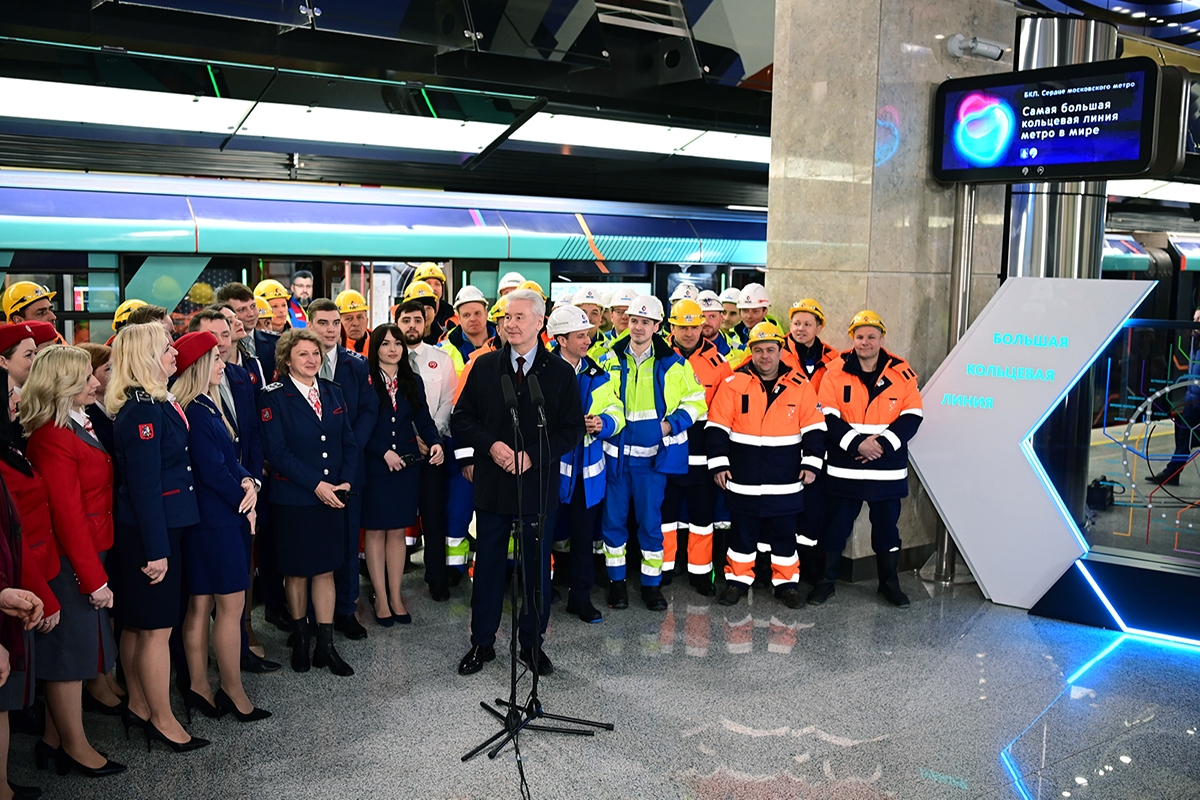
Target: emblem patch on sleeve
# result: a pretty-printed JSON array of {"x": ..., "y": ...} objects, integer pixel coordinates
[
  {"x": 146, "y": 431},
  {"x": 266, "y": 415}
]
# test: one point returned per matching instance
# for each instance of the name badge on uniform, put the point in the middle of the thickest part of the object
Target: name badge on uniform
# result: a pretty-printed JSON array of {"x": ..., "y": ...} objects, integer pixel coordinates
[{"x": 146, "y": 431}]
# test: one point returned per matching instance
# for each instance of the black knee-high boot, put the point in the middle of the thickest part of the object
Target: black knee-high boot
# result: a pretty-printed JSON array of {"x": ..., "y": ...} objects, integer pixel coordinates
[
  {"x": 300, "y": 643},
  {"x": 887, "y": 564}
]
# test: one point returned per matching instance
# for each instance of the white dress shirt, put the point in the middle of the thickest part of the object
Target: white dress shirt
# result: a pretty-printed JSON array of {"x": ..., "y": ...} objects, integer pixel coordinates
[{"x": 436, "y": 369}]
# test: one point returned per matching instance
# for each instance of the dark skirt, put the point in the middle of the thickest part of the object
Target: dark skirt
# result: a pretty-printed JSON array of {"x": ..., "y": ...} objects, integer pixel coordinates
[
  {"x": 137, "y": 603},
  {"x": 17, "y": 691},
  {"x": 214, "y": 560},
  {"x": 81, "y": 646},
  {"x": 390, "y": 499},
  {"x": 309, "y": 540}
]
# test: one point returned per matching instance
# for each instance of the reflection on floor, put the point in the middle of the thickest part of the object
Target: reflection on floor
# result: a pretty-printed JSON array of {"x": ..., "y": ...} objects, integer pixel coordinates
[{"x": 954, "y": 698}]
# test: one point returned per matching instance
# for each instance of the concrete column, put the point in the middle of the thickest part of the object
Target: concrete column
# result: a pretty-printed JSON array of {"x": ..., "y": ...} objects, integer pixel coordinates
[{"x": 855, "y": 219}]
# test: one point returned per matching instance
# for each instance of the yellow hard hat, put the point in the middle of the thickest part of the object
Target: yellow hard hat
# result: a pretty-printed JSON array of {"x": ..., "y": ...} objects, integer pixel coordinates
[
  {"x": 124, "y": 310},
  {"x": 22, "y": 293},
  {"x": 534, "y": 286},
  {"x": 686, "y": 312},
  {"x": 867, "y": 318},
  {"x": 420, "y": 290},
  {"x": 764, "y": 332},
  {"x": 264, "y": 308},
  {"x": 271, "y": 289},
  {"x": 429, "y": 270},
  {"x": 498, "y": 310},
  {"x": 350, "y": 301},
  {"x": 811, "y": 306}
]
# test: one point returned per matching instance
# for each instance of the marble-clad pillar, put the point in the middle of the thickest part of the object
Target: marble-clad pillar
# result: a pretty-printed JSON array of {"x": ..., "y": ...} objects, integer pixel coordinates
[{"x": 855, "y": 219}]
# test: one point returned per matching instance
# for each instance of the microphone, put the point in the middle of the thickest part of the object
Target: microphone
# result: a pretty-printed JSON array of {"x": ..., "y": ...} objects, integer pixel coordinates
[
  {"x": 510, "y": 396},
  {"x": 539, "y": 400}
]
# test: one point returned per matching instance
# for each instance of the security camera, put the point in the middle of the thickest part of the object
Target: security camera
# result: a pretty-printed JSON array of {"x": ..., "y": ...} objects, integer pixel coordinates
[{"x": 959, "y": 46}]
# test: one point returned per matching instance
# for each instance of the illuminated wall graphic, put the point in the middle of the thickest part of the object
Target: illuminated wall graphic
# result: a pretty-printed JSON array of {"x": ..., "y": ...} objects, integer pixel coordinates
[
  {"x": 983, "y": 129},
  {"x": 887, "y": 134}
]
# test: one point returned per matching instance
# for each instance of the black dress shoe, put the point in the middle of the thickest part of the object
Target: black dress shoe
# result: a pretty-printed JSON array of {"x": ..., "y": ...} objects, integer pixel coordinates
[
  {"x": 349, "y": 626},
  {"x": 325, "y": 655},
  {"x": 544, "y": 667},
  {"x": 90, "y": 703},
  {"x": 703, "y": 584},
  {"x": 66, "y": 764},
  {"x": 279, "y": 619},
  {"x": 25, "y": 792},
  {"x": 618, "y": 596},
  {"x": 453, "y": 577},
  {"x": 439, "y": 592},
  {"x": 652, "y": 596},
  {"x": 791, "y": 598},
  {"x": 475, "y": 658},
  {"x": 893, "y": 595},
  {"x": 731, "y": 595},
  {"x": 582, "y": 607},
  {"x": 259, "y": 665},
  {"x": 1168, "y": 477},
  {"x": 820, "y": 593}
]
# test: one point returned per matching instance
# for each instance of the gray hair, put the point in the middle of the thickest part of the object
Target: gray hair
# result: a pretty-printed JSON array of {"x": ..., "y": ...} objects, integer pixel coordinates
[{"x": 539, "y": 305}]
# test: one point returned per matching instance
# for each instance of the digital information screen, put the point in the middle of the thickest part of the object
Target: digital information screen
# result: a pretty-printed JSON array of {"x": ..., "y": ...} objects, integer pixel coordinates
[{"x": 1083, "y": 121}]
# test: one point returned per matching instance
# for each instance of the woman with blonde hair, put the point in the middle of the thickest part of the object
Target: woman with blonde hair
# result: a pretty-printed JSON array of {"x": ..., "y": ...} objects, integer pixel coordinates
[
  {"x": 156, "y": 502},
  {"x": 214, "y": 552},
  {"x": 63, "y": 445}
]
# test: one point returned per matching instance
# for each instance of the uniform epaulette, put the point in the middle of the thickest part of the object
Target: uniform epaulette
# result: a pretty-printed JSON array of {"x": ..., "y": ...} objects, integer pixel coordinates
[
  {"x": 142, "y": 397},
  {"x": 271, "y": 333},
  {"x": 272, "y": 386},
  {"x": 356, "y": 355}
]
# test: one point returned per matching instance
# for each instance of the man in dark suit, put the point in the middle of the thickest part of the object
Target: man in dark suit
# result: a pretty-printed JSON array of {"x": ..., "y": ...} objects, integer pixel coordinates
[
  {"x": 350, "y": 371},
  {"x": 482, "y": 421},
  {"x": 260, "y": 344}
]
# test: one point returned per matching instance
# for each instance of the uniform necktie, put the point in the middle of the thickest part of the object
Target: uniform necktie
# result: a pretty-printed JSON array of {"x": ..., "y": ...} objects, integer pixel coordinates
[
  {"x": 87, "y": 426},
  {"x": 520, "y": 371},
  {"x": 326, "y": 369},
  {"x": 390, "y": 385},
  {"x": 314, "y": 400},
  {"x": 182, "y": 415},
  {"x": 227, "y": 402}
]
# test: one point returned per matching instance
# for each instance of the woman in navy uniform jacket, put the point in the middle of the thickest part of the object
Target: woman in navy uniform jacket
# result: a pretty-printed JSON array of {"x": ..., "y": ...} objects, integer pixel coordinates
[
  {"x": 313, "y": 456},
  {"x": 156, "y": 502},
  {"x": 390, "y": 496},
  {"x": 214, "y": 552}
]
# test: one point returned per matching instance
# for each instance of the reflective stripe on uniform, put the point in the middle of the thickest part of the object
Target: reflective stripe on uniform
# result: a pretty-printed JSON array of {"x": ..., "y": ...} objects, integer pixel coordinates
[
  {"x": 848, "y": 439},
  {"x": 764, "y": 441},
  {"x": 719, "y": 461},
  {"x": 641, "y": 452},
  {"x": 697, "y": 461},
  {"x": 678, "y": 438},
  {"x": 611, "y": 450},
  {"x": 640, "y": 416},
  {"x": 832, "y": 411},
  {"x": 592, "y": 470},
  {"x": 867, "y": 474},
  {"x": 869, "y": 430},
  {"x": 614, "y": 556},
  {"x": 892, "y": 438},
  {"x": 916, "y": 412},
  {"x": 812, "y": 461},
  {"x": 804, "y": 541},
  {"x": 565, "y": 469},
  {"x": 763, "y": 490},
  {"x": 464, "y": 452}
]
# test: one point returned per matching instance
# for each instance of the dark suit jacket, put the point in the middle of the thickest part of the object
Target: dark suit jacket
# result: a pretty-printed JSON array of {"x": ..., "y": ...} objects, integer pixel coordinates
[
  {"x": 80, "y": 497},
  {"x": 480, "y": 419},
  {"x": 264, "y": 351},
  {"x": 218, "y": 472},
  {"x": 248, "y": 446},
  {"x": 353, "y": 376},
  {"x": 397, "y": 429},
  {"x": 304, "y": 450}
]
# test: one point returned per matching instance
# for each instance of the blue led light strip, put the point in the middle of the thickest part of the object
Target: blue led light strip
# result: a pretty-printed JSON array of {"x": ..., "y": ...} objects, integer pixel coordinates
[{"x": 1161, "y": 638}]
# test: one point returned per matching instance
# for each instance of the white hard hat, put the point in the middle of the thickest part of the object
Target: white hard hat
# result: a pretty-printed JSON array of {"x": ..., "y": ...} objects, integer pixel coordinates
[
  {"x": 567, "y": 319},
  {"x": 730, "y": 295},
  {"x": 564, "y": 300},
  {"x": 685, "y": 291},
  {"x": 606, "y": 299},
  {"x": 469, "y": 294},
  {"x": 709, "y": 301},
  {"x": 588, "y": 296},
  {"x": 646, "y": 306},
  {"x": 623, "y": 297},
  {"x": 754, "y": 295},
  {"x": 511, "y": 280}
]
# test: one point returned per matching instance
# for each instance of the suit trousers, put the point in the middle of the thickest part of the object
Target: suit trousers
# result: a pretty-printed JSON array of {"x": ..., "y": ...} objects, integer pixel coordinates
[
  {"x": 577, "y": 525},
  {"x": 492, "y": 532},
  {"x": 885, "y": 534},
  {"x": 345, "y": 577},
  {"x": 431, "y": 505}
]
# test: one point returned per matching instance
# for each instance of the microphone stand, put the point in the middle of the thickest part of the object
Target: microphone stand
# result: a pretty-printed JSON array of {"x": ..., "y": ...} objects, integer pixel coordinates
[{"x": 518, "y": 718}]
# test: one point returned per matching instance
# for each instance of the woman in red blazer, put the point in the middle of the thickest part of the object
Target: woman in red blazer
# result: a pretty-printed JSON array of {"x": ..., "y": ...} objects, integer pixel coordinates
[{"x": 62, "y": 444}]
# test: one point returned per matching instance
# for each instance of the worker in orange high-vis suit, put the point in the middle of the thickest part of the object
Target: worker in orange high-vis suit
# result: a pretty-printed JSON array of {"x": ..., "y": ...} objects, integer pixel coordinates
[
  {"x": 694, "y": 486},
  {"x": 766, "y": 441},
  {"x": 872, "y": 407}
]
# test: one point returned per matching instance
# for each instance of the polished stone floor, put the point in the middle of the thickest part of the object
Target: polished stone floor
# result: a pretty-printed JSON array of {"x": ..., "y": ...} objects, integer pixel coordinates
[{"x": 953, "y": 698}]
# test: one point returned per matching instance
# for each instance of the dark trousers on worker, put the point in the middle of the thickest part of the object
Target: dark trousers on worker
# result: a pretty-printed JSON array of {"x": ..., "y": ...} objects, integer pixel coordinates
[
  {"x": 839, "y": 524},
  {"x": 345, "y": 577},
  {"x": 431, "y": 506},
  {"x": 577, "y": 525},
  {"x": 492, "y": 533},
  {"x": 1187, "y": 436},
  {"x": 747, "y": 532}
]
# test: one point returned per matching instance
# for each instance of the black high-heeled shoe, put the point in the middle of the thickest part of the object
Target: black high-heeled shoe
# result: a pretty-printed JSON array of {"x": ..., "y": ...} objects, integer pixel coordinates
[
  {"x": 90, "y": 703},
  {"x": 43, "y": 754},
  {"x": 227, "y": 706},
  {"x": 132, "y": 720},
  {"x": 196, "y": 700},
  {"x": 153, "y": 734},
  {"x": 66, "y": 764},
  {"x": 24, "y": 792}
]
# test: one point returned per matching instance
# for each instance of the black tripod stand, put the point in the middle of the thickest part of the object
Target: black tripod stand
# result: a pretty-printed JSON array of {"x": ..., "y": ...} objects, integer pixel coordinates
[{"x": 517, "y": 717}]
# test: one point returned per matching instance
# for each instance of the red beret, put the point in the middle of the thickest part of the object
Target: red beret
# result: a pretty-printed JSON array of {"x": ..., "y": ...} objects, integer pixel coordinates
[
  {"x": 191, "y": 348},
  {"x": 43, "y": 332},
  {"x": 13, "y": 333}
]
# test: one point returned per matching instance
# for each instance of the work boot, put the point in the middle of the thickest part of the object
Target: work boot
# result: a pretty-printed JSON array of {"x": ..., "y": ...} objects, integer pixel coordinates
[
  {"x": 326, "y": 656},
  {"x": 703, "y": 584},
  {"x": 618, "y": 596},
  {"x": 300, "y": 641},
  {"x": 889, "y": 582},
  {"x": 668, "y": 575},
  {"x": 790, "y": 597},
  {"x": 652, "y": 596},
  {"x": 826, "y": 585},
  {"x": 732, "y": 594}
]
